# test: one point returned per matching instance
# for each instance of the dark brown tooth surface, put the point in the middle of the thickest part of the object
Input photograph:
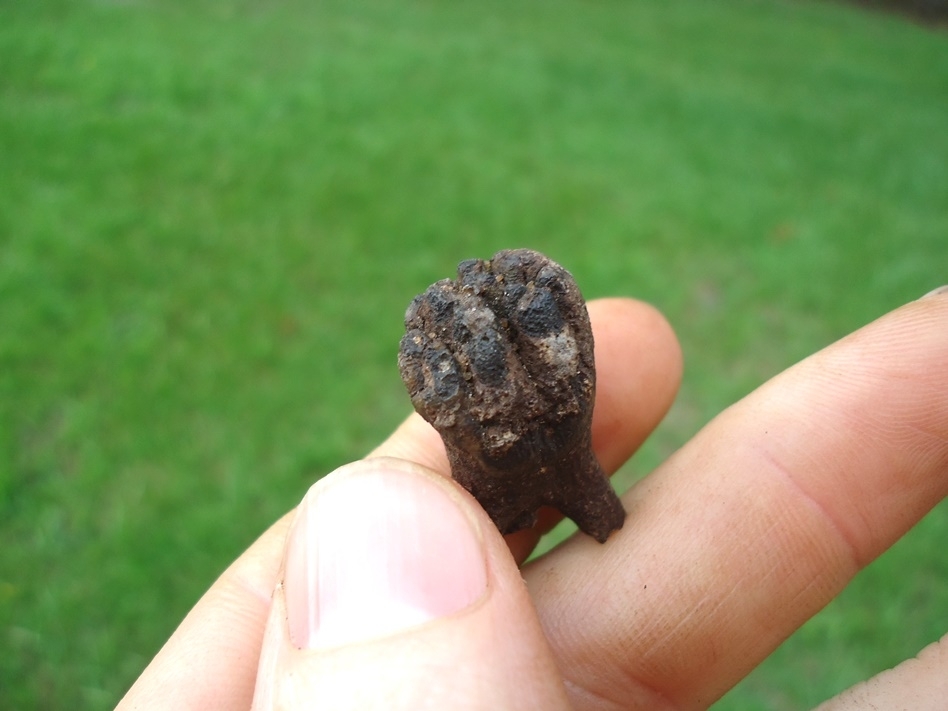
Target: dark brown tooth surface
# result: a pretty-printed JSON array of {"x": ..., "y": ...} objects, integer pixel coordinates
[{"x": 500, "y": 362}]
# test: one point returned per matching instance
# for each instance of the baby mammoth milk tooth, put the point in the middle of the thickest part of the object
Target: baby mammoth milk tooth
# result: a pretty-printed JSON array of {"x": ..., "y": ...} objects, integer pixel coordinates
[{"x": 500, "y": 362}]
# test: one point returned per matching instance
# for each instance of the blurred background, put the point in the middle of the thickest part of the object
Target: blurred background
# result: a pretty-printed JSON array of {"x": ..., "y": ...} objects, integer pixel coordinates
[{"x": 213, "y": 214}]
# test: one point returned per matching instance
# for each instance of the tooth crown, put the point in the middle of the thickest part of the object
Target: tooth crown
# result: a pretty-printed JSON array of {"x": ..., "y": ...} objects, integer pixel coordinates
[{"x": 500, "y": 361}]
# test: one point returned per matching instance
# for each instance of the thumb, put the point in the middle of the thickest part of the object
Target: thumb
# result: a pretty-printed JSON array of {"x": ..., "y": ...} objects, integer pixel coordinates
[{"x": 397, "y": 592}]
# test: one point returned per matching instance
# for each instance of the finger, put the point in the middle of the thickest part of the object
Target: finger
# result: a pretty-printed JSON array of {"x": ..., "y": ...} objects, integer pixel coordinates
[
  {"x": 757, "y": 523},
  {"x": 638, "y": 369},
  {"x": 398, "y": 592},
  {"x": 920, "y": 684},
  {"x": 211, "y": 659},
  {"x": 638, "y": 366}
]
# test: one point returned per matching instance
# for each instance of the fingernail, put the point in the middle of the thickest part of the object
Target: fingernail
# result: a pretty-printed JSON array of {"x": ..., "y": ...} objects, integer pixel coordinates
[
  {"x": 937, "y": 292},
  {"x": 378, "y": 547}
]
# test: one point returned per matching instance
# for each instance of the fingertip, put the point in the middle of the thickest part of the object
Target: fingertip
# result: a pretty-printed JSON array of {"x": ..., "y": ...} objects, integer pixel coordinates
[
  {"x": 416, "y": 441},
  {"x": 426, "y": 603},
  {"x": 639, "y": 368},
  {"x": 620, "y": 322}
]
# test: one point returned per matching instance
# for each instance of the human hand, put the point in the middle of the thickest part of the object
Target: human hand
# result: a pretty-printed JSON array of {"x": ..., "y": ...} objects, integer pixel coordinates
[{"x": 403, "y": 595}]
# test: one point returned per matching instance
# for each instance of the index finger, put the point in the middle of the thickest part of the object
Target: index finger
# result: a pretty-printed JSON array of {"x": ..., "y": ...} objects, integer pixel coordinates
[{"x": 757, "y": 523}]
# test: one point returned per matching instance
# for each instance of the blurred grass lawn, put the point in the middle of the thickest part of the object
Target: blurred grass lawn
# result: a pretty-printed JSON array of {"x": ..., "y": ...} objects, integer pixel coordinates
[{"x": 212, "y": 215}]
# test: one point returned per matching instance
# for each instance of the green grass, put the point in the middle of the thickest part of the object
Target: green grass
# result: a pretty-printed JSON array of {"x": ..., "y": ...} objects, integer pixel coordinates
[{"x": 212, "y": 216}]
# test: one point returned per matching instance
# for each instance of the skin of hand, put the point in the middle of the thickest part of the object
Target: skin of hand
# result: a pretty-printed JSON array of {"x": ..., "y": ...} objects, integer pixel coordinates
[{"x": 389, "y": 587}]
